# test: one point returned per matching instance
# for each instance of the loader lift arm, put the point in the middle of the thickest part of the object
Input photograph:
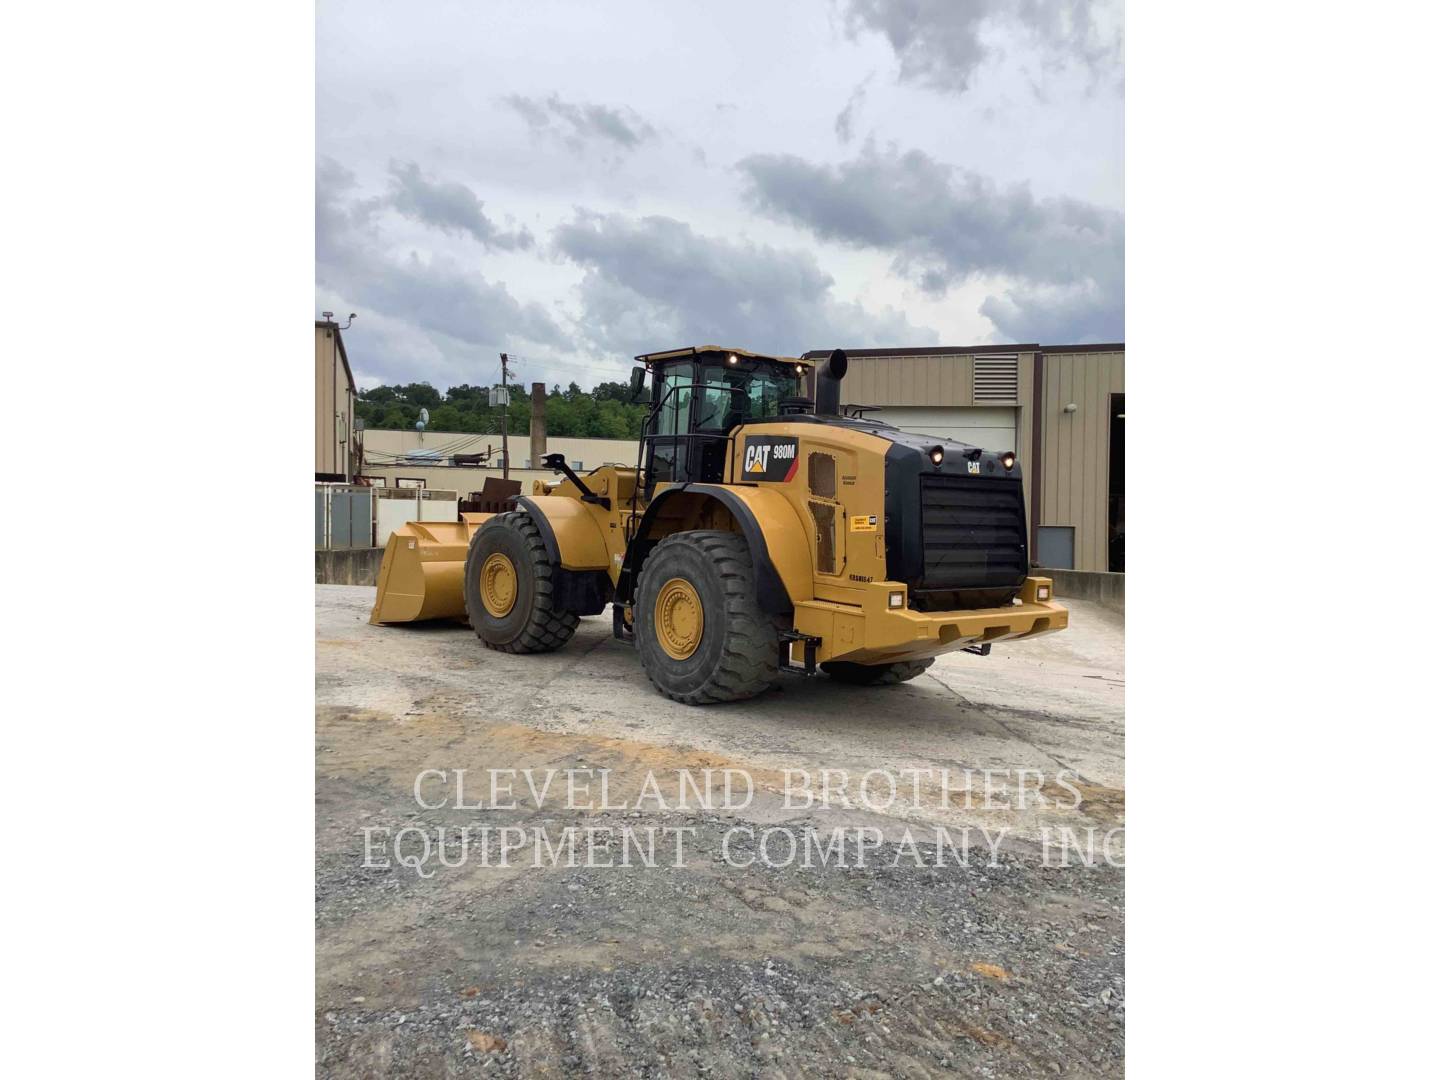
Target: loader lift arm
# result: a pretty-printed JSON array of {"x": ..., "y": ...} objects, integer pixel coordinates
[{"x": 560, "y": 465}]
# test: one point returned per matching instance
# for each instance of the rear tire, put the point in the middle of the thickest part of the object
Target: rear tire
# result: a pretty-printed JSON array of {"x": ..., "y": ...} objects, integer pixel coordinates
[
  {"x": 875, "y": 674},
  {"x": 728, "y": 650},
  {"x": 510, "y": 588}
]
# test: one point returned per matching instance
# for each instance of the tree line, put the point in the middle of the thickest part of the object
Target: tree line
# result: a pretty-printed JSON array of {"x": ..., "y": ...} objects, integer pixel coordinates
[{"x": 602, "y": 413}]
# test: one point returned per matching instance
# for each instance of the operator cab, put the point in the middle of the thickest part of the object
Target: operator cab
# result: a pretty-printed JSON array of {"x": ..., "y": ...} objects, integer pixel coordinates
[{"x": 698, "y": 397}]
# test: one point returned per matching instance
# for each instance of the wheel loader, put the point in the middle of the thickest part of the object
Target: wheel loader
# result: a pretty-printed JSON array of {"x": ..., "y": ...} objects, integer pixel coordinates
[{"x": 762, "y": 531}]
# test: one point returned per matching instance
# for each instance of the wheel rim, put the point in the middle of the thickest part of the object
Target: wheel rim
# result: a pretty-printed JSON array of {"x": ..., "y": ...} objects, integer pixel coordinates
[
  {"x": 497, "y": 585},
  {"x": 679, "y": 619}
]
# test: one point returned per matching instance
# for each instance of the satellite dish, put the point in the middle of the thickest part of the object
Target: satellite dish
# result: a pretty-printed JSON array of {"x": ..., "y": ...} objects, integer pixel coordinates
[{"x": 424, "y": 416}]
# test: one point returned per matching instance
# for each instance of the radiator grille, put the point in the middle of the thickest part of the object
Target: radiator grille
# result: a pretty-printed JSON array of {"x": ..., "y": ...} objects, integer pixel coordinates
[
  {"x": 972, "y": 532},
  {"x": 997, "y": 380},
  {"x": 822, "y": 476},
  {"x": 824, "y": 515}
]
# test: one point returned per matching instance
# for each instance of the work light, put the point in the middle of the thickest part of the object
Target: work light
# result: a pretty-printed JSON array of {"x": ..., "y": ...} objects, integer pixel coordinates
[
  {"x": 937, "y": 454},
  {"x": 1008, "y": 459}
]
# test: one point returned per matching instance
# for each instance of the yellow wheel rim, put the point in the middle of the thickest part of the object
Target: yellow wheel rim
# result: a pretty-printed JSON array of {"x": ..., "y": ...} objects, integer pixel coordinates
[
  {"x": 497, "y": 585},
  {"x": 679, "y": 619}
]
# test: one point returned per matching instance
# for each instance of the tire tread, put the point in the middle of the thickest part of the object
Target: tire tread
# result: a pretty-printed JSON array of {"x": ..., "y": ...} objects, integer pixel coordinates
[
  {"x": 549, "y": 627},
  {"x": 749, "y": 662}
]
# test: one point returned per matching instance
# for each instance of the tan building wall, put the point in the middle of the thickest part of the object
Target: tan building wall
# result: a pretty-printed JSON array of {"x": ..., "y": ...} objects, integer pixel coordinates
[
  {"x": 381, "y": 448},
  {"x": 334, "y": 404},
  {"x": 1074, "y": 473},
  {"x": 928, "y": 377}
]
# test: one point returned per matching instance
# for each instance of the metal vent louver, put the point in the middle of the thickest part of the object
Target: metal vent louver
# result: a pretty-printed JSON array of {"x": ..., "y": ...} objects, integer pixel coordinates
[{"x": 997, "y": 380}]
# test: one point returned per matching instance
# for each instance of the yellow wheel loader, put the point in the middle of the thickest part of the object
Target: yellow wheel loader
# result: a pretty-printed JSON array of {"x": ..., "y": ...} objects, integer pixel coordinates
[{"x": 762, "y": 531}]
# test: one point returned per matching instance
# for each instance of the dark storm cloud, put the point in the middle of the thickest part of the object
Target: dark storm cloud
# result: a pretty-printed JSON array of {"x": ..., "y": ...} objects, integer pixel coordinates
[
  {"x": 655, "y": 283},
  {"x": 448, "y": 206},
  {"x": 945, "y": 225},
  {"x": 433, "y": 295},
  {"x": 578, "y": 123},
  {"x": 941, "y": 43}
]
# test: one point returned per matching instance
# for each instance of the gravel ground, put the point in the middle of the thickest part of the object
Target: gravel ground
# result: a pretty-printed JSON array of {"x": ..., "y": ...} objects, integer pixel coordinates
[{"x": 887, "y": 965}]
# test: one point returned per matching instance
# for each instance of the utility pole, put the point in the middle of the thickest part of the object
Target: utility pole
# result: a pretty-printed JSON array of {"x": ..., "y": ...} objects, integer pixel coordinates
[{"x": 505, "y": 414}]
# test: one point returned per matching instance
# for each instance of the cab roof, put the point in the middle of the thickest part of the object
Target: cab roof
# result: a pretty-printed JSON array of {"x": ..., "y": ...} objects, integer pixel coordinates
[{"x": 702, "y": 350}]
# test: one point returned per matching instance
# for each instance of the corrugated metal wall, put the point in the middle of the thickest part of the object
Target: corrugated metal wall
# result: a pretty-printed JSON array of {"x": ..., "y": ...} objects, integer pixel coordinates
[
  {"x": 332, "y": 397},
  {"x": 324, "y": 402},
  {"x": 1075, "y": 448},
  {"x": 909, "y": 380}
]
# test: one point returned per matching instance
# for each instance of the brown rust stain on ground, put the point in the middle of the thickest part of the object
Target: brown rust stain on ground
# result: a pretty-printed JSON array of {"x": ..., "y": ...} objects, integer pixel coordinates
[{"x": 369, "y": 741}]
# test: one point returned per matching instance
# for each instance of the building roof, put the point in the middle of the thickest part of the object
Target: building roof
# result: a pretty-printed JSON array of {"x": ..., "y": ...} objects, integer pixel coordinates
[
  {"x": 953, "y": 350},
  {"x": 697, "y": 350}
]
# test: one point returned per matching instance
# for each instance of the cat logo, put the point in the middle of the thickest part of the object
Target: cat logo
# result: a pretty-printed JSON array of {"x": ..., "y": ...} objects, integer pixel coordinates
[
  {"x": 770, "y": 457},
  {"x": 974, "y": 468}
]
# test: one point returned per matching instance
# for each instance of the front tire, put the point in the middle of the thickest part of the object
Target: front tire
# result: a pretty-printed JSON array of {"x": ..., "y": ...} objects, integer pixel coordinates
[
  {"x": 875, "y": 674},
  {"x": 510, "y": 588},
  {"x": 699, "y": 629}
]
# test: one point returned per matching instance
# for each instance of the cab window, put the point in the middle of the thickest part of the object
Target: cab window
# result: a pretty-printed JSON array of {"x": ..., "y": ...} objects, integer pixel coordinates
[
  {"x": 722, "y": 400},
  {"x": 767, "y": 389},
  {"x": 731, "y": 396},
  {"x": 673, "y": 391}
]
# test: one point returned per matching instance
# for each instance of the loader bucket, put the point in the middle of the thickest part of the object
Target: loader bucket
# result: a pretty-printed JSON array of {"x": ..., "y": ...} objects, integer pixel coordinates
[{"x": 423, "y": 569}]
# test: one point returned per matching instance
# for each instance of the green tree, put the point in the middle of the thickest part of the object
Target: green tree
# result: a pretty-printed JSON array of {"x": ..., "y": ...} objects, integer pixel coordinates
[
  {"x": 446, "y": 418},
  {"x": 602, "y": 413},
  {"x": 612, "y": 391},
  {"x": 422, "y": 395}
]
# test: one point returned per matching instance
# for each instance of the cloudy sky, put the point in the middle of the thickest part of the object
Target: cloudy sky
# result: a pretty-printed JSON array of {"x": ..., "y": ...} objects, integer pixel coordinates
[{"x": 575, "y": 183}]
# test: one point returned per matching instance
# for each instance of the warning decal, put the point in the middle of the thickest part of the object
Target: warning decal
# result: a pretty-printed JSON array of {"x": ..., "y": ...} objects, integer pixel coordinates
[
  {"x": 864, "y": 523},
  {"x": 770, "y": 457}
]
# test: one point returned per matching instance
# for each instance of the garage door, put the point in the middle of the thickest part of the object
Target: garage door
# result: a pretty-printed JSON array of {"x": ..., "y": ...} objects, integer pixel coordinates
[{"x": 992, "y": 427}]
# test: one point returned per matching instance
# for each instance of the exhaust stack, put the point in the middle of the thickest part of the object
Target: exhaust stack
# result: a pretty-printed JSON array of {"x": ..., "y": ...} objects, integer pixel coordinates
[
  {"x": 827, "y": 384},
  {"x": 537, "y": 424}
]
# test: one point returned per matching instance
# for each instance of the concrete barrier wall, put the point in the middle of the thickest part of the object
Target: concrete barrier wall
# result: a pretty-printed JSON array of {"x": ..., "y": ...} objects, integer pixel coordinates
[
  {"x": 1107, "y": 589},
  {"x": 351, "y": 566}
]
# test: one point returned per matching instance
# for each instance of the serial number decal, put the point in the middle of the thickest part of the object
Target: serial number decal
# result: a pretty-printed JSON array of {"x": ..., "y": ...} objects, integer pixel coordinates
[
  {"x": 770, "y": 457},
  {"x": 864, "y": 523}
]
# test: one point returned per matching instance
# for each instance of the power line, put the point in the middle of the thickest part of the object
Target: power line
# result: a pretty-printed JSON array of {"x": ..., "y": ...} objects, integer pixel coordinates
[{"x": 589, "y": 368}]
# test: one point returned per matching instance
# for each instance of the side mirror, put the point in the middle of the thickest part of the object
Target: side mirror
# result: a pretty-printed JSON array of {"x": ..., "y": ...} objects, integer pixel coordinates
[{"x": 637, "y": 384}]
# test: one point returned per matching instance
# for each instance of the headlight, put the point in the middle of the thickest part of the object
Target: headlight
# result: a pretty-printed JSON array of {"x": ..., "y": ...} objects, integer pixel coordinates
[
  {"x": 1008, "y": 459},
  {"x": 1042, "y": 592},
  {"x": 897, "y": 599},
  {"x": 937, "y": 454}
]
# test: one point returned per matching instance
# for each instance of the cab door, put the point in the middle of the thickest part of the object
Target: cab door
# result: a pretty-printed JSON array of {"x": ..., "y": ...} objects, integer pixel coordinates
[{"x": 667, "y": 438}]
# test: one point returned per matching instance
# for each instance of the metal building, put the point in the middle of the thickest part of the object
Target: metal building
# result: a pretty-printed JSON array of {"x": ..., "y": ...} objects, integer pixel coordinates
[
  {"x": 1061, "y": 408},
  {"x": 337, "y": 444}
]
